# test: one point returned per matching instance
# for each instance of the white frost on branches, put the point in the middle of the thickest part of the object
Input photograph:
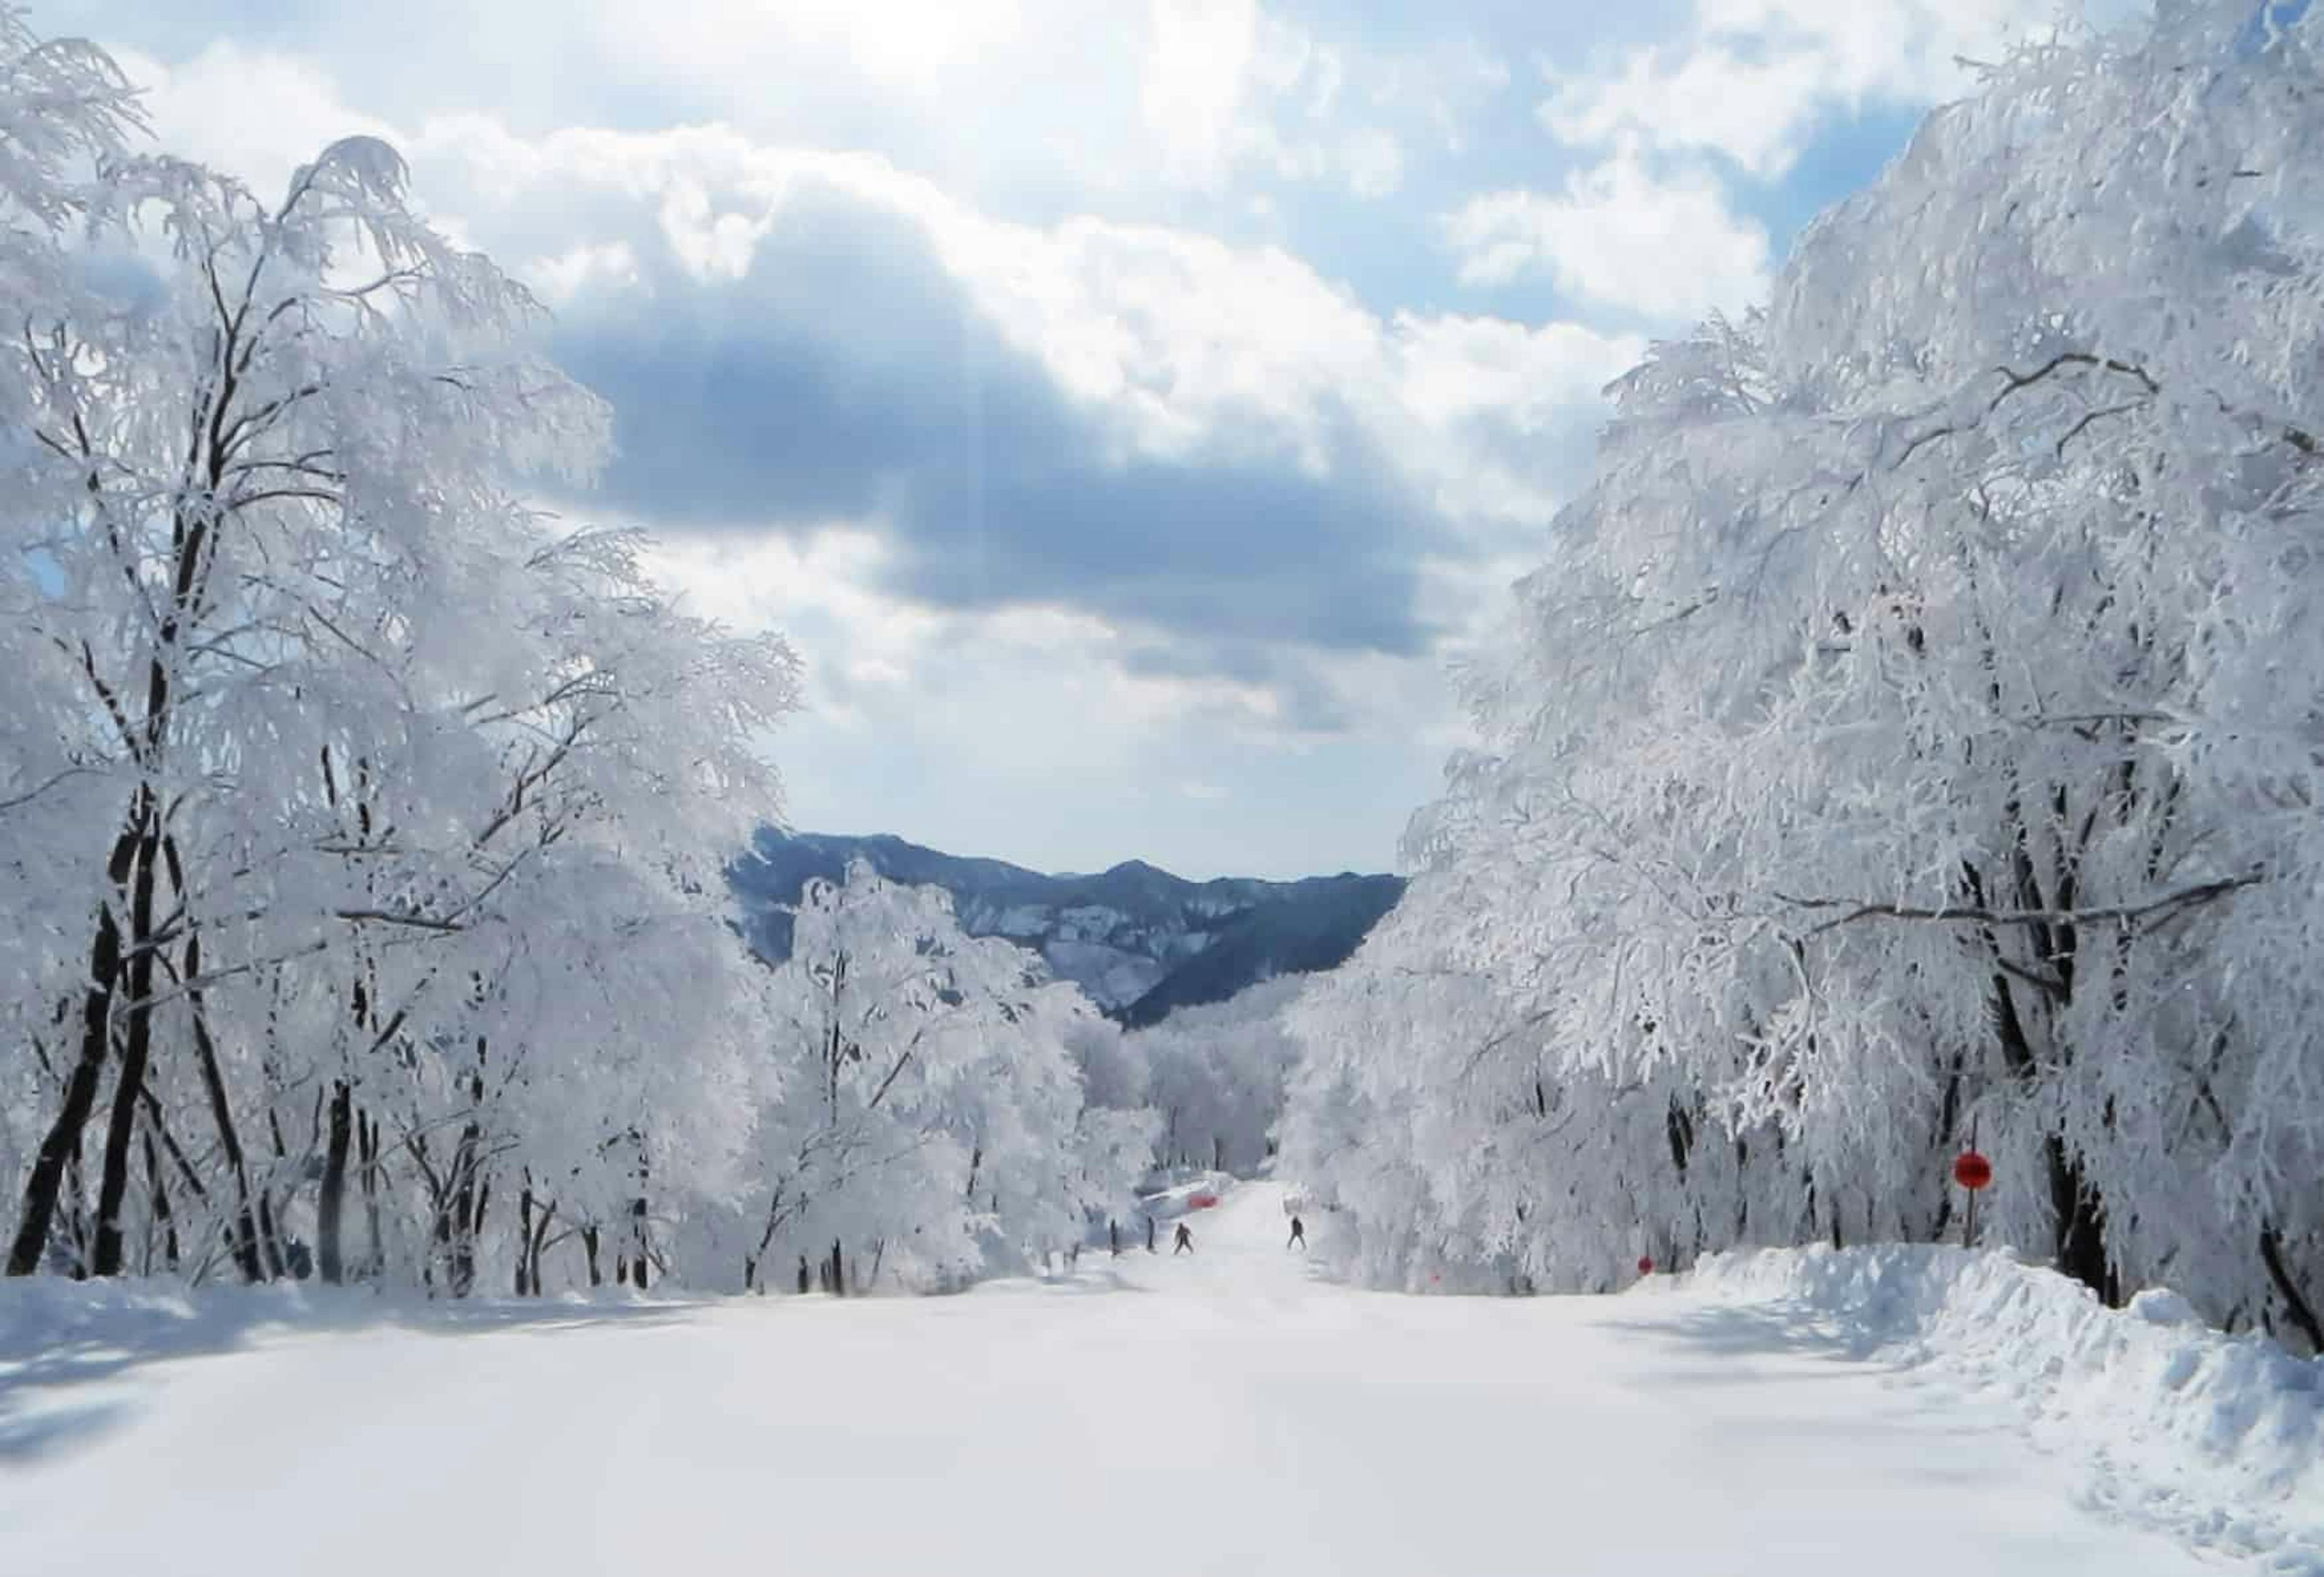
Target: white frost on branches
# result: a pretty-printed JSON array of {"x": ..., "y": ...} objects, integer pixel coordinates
[
  {"x": 363, "y": 825},
  {"x": 931, "y": 1123},
  {"x": 1913, "y": 732}
]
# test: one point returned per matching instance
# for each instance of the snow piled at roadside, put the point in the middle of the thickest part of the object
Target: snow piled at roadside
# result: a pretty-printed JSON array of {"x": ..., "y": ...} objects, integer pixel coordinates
[{"x": 2217, "y": 1439}]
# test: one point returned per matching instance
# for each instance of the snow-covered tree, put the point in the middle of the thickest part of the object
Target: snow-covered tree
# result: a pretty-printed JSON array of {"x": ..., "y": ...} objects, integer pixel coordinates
[
  {"x": 367, "y": 824},
  {"x": 932, "y": 1122},
  {"x": 1912, "y": 734},
  {"x": 1214, "y": 1074}
]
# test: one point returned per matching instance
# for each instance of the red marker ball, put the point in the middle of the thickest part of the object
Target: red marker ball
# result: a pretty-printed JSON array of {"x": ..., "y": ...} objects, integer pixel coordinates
[
  {"x": 1972, "y": 1171},
  {"x": 1645, "y": 1264}
]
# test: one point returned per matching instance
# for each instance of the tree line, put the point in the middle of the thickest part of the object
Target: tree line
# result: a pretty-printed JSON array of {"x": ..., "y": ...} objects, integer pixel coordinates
[
  {"x": 363, "y": 825},
  {"x": 1911, "y": 739}
]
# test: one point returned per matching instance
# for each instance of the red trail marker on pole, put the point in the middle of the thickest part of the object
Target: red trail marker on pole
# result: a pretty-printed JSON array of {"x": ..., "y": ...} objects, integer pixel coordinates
[{"x": 1973, "y": 1171}]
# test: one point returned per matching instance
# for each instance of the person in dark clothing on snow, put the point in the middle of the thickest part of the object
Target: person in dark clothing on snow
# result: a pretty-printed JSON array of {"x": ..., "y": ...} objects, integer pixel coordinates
[
  {"x": 1298, "y": 1234},
  {"x": 1184, "y": 1243}
]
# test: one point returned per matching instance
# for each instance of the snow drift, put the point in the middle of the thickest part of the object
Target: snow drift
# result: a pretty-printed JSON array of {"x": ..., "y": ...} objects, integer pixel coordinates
[{"x": 2217, "y": 1439}]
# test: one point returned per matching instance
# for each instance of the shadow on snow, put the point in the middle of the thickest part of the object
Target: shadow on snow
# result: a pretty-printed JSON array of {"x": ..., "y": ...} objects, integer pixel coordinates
[{"x": 62, "y": 1345}]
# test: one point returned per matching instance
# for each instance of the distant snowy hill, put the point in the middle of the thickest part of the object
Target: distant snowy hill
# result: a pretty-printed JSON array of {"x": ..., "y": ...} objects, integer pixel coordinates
[{"x": 1138, "y": 940}]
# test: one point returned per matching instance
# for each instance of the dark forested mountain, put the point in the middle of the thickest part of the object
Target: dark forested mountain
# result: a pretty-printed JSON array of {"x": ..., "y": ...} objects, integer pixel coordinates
[{"x": 1138, "y": 940}]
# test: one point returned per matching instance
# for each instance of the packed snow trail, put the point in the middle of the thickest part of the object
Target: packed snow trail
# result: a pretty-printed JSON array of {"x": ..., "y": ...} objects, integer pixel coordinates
[{"x": 1221, "y": 1411}]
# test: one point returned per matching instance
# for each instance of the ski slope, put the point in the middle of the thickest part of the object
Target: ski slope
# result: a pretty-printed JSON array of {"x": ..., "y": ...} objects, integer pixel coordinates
[{"x": 1221, "y": 1411}]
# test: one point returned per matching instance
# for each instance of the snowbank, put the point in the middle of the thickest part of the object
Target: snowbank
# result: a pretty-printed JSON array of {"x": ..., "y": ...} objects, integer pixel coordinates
[{"x": 2217, "y": 1439}]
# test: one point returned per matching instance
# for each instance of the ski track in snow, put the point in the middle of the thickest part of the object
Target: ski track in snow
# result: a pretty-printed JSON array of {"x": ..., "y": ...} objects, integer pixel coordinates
[{"x": 1224, "y": 1412}]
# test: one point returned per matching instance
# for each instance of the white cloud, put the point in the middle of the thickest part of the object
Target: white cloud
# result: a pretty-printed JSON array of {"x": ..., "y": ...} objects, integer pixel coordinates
[
  {"x": 1648, "y": 226},
  {"x": 1487, "y": 398},
  {"x": 1197, "y": 79},
  {"x": 1459, "y": 369},
  {"x": 1008, "y": 100},
  {"x": 920, "y": 46},
  {"x": 1753, "y": 78},
  {"x": 819, "y": 589},
  {"x": 1755, "y": 111},
  {"x": 1374, "y": 163},
  {"x": 1229, "y": 89},
  {"x": 564, "y": 278},
  {"x": 960, "y": 728},
  {"x": 1441, "y": 86},
  {"x": 1182, "y": 347},
  {"x": 1665, "y": 247},
  {"x": 255, "y": 113}
]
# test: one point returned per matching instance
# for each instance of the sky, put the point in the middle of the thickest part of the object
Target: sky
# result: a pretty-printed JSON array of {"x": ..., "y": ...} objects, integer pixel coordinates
[{"x": 1131, "y": 409}]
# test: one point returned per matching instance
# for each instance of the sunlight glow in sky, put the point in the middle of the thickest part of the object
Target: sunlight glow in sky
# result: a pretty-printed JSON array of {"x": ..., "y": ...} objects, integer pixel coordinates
[{"x": 1127, "y": 408}]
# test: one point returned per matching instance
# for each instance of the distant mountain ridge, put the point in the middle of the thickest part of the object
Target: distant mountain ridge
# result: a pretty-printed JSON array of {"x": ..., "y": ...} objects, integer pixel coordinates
[{"x": 1139, "y": 940}]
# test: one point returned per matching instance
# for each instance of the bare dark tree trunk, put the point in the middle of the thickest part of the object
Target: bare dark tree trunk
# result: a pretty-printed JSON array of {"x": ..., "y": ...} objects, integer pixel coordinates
[
  {"x": 271, "y": 1253},
  {"x": 367, "y": 1138},
  {"x": 136, "y": 1050},
  {"x": 2080, "y": 1224},
  {"x": 161, "y": 1216},
  {"x": 60, "y": 1146},
  {"x": 774, "y": 1219},
  {"x": 459, "y": 1216},
  {"x": 330, "y": 1195},
  {"x": 79, "y": 1228},
  {"x": 2303, "y": 1313},
  {"x": 190, "y": 534},
  {"x": 137, "y": 1040},
  {"x": 638, "y": 1248},
  {"x": 1948, "y": 1125},
  {"x": 243, "y": 1229},
  {"x": 589, "y": 1247},
  {"x": 1679, "y": 1128},
  {"x": 537, "y": 1241},
  {"x": 2077, "y": 1238}
]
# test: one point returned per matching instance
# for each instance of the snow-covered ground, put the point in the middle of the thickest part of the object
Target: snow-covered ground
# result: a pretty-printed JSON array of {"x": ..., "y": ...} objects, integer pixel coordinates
[
  {"x": 1223, "y": 1412},
  {"x": 2217, "y": 1439}
]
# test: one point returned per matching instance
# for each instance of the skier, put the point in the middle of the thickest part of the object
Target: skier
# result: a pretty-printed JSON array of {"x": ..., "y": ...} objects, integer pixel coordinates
[
  {"x": 1184, "y": 1243},
  {"x": 1298, "y": 1234}
]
